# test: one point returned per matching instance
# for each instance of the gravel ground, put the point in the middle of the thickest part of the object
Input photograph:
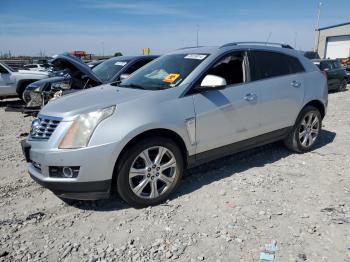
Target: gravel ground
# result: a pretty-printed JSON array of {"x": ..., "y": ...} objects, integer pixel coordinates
[{"x": 296, "y": 206}]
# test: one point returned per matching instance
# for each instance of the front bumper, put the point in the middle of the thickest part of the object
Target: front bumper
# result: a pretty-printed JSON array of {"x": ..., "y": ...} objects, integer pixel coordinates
[
  {"x": 75, "y": 190},
  {"x": 95, "y": 174}
]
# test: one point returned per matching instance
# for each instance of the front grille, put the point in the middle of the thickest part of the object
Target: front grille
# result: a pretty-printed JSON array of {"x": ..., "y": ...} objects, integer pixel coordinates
[{"x": 43, "y": 127}]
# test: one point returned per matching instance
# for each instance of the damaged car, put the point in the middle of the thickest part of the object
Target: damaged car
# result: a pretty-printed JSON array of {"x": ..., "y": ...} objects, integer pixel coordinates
[{"x": 80, "y": 76}]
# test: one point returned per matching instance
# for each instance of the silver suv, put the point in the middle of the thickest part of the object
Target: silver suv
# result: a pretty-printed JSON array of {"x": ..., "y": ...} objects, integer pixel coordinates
[{"x": 183, "y": 109}]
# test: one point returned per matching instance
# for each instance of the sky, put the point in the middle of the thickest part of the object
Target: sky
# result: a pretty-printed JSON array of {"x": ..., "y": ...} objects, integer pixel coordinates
[{"x": 31, "y": 27}]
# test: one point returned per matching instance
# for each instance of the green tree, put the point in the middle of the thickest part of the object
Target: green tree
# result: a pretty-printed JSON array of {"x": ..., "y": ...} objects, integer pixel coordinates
[{"x": 118, "y": 54}]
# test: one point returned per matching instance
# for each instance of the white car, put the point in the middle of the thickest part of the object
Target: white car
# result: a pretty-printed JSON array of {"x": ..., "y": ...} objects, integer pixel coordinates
[
  {"x": 35, "y": 67},
  {"x": 13, "y": 83}
]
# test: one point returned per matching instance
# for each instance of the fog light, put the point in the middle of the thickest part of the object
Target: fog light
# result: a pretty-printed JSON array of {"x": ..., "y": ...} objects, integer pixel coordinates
[
  {"x": 36, "y": 165},
  {"x": 64, "y": 171},
  {"x": 67, "y": 172}
]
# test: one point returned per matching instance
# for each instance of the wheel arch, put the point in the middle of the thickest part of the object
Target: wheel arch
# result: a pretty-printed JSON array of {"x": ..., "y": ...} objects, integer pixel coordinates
[
  {"x": 163, "y": 132},
  {"x": 25, "y": 83},
  {"x": 318, "y": 104}
]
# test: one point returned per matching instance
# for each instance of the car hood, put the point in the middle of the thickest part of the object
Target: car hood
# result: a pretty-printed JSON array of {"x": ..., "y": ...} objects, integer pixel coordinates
[
  {"x": 75, "y": 66},
  {"x": 88, "y": 100}
]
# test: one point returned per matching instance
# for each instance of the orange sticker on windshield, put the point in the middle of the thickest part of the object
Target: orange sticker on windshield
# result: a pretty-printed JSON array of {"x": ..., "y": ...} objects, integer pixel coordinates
[{"x": 171, "y": 78}]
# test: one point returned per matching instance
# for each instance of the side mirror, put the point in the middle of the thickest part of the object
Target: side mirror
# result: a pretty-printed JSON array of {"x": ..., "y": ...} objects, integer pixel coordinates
[
  {"x": 212, "y": 82},
  {"x": 124, "y": 76}
]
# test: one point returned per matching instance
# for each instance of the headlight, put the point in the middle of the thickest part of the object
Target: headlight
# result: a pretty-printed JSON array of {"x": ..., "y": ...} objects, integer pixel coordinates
[{"x": 81, "y": 130}]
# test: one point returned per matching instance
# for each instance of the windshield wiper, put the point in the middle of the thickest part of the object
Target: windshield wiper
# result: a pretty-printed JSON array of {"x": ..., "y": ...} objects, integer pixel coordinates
[{"x": 133, "y": 86}]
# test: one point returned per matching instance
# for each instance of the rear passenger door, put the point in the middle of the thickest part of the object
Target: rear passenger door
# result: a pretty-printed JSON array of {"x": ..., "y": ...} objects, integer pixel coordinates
[{"x": 280, "y": 79}]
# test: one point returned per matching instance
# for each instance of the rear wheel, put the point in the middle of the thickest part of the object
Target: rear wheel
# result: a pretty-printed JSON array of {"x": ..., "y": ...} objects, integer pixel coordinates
[
  {"x": 306, "y": 130},
  {"x": 343, "y": 85},
  {"x": 149, "y": 171}
]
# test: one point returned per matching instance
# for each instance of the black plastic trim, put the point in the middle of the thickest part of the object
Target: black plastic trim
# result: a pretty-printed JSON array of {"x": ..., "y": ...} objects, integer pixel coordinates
[
  {"x": 220, "y": 152},
  {"x": 78, "y": 190}
]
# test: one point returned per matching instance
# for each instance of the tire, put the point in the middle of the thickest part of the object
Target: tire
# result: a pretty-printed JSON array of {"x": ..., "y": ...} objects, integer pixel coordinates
[
  {"x": 343, "y": 85},
  {"x": 21, "y": 88},
  {"x": 153, "y": 179},
  {"x": 303, "y": 129}
]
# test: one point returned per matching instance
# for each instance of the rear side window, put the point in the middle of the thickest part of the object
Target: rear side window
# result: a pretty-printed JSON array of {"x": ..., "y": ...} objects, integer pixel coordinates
[{"x": 264, "y": 64}]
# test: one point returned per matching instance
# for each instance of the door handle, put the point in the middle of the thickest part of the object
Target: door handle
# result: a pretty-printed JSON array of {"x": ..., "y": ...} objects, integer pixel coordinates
[
  {"x": 295, "y": 84},
  {"x": 250, "y": 97}
]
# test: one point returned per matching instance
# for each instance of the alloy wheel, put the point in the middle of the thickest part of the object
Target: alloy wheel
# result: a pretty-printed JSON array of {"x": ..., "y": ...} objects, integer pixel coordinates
[
  {"x": 309, "y": 129},
  {"x": 344, "y": 85},
  {"x": 152, "y": 172}
]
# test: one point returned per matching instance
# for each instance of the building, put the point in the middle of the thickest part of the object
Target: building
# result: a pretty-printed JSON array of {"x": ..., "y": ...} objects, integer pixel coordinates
[{"x": 333, "y": 41}]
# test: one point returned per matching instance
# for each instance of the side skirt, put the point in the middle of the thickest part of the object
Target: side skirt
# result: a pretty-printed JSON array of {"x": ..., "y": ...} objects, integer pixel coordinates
[{"x": 223, "y": 151}]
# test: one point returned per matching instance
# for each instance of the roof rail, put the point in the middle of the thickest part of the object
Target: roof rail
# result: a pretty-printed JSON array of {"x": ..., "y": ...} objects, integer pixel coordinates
[
  {"x": 188, "y": 47},
  {"x": 258, "y": 43}
]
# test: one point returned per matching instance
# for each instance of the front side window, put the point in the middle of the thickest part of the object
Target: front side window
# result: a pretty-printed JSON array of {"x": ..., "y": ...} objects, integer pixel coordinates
[
  {"x": 109, "y": 68},
  {"x": 137, "y": 65},
  {"x": 168, "y": 71},
  {"x": 231, "y": 68},
  {"x": 265, "y": 64}
]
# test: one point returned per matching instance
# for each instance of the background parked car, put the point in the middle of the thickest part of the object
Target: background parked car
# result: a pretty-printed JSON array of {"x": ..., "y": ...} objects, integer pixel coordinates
[
  {"x": 80, "y": 76},
  {"x": 36, "y": 67},
  {"x": 336, "y": 74},
  {"x": 311, "y": 55},
  {"x": 347, "y": 68},
  {"x": 13, "y": 83}
]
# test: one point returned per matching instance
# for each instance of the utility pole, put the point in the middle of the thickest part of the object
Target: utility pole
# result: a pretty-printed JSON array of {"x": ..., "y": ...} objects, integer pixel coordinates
[
  {"x": 317, "y": 37},
  {"x": 197, "y": 36},
  {"x": 268, "y": 38}
]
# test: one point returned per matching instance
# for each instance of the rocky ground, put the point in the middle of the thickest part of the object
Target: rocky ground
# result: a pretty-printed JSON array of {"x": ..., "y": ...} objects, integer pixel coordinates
[{"x": 297, "y": 206}]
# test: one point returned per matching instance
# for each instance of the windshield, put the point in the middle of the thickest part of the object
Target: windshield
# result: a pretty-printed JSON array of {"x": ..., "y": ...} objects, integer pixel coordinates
[
  {"x": 165, "y": 72},
  {"x": 109, "y": 68},
  {"x": 8, "y": 67}
]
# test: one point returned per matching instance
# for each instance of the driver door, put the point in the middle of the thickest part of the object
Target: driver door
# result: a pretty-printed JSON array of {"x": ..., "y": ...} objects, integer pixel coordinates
[
  {"x": 231, "y": 114},
  {"x": 6, "y": 87}
]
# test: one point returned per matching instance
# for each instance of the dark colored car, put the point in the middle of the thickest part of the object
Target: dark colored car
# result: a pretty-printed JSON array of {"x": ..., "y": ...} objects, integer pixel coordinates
[
  {"x": 311, "y": 55},
  {"x": 80, "y": 76},
  {"x": 347, "y": 68},
  {"x": 336, "y": 73}
]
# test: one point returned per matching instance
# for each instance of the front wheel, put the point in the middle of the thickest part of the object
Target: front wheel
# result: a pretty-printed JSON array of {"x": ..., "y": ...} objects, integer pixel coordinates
[
  {"x": 149, "y": 171},
  {"x": 306, "y": 130}
]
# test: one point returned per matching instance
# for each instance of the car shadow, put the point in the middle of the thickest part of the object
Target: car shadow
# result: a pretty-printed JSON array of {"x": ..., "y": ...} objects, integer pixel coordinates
[
  {"x": 11, "y": 103},
  {"x": 205, "y": 174}
]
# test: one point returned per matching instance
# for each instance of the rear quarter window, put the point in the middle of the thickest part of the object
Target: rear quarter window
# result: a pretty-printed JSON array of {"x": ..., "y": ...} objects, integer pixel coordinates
[{"x": 267, "y": 64}]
